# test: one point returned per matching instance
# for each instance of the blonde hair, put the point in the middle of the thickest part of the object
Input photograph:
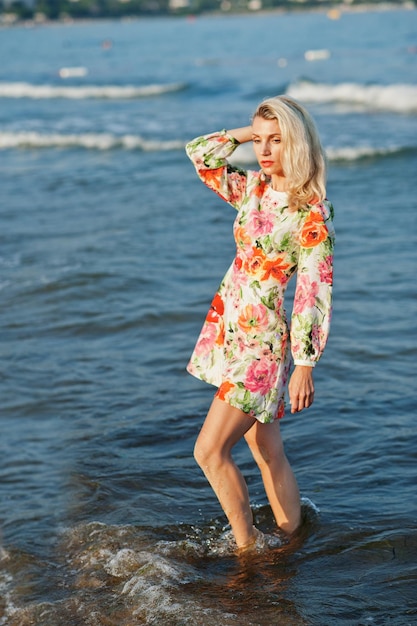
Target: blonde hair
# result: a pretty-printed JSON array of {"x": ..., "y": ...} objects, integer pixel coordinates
[{"x": 302, "y": 159}]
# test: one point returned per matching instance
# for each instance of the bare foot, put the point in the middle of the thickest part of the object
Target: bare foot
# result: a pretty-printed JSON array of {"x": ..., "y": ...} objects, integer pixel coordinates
[{"x": 255, "y": 542}]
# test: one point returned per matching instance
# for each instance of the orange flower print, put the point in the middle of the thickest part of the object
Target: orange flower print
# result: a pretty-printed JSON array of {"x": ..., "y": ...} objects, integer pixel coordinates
[
  {"x": 259, "y": 188},
  {"x": 212, "y": 178},
  {"x": 314, "y": 230},
  {"x": 242, "y": 238},
  {"x": 216, "y": 309},
  {"x": 223, "y": 390},
  {"x": 221, "y": 334},
  {"x": 281, "y": 410},
  {"x": 276, "y": 268},
  {"x": 238, "y": 263},
  {"x": 253, "y": 319},
  {"x": 218, "y": 304},
  {"x": 212, "y": 316},
  {"x": 255, "y": 261}
]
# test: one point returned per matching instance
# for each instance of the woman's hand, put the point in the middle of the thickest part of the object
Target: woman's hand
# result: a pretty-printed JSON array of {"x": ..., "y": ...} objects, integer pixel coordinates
[
  {"x": 301, "y": 388},
  {"x": 242, "y": 135}
]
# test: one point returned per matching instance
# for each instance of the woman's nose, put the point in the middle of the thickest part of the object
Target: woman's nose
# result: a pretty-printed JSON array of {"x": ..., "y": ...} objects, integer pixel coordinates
[{"x": 265, "y": 148}]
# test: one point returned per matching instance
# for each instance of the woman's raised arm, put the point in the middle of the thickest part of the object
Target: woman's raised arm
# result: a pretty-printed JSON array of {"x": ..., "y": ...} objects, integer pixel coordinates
[{"x": 242, "y": 135}]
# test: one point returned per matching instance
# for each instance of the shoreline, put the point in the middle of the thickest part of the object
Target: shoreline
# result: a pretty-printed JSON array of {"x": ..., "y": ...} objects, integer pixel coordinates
[{"x": 333, "y": 12}]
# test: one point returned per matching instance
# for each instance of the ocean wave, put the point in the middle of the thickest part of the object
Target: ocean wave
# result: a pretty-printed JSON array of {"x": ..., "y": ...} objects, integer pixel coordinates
[
  {"x": 124, "y": 575},
  {"x": 88, "y": 141},
  {"x": 357, "y": 153},
  {"x": 244, "y": 155},
  {"x": 146, "y": 578},
  {"x": 398, "y": 98},
  {"x": 86, "y": 92}
]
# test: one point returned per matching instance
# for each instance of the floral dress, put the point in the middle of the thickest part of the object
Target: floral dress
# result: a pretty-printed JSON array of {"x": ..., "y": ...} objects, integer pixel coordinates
[{"x": 244, "y": 345}]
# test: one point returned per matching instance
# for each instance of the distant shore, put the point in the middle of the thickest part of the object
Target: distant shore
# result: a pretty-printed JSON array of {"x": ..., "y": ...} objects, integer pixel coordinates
[{"x": 333, "y": 12}]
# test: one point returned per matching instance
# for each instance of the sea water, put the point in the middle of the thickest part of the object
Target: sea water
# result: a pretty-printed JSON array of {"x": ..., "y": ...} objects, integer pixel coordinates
[{"x": 110, "y": 253}]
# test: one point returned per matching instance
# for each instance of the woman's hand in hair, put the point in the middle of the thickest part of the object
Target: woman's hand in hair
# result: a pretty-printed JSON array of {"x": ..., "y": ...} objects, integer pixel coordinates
[{"x": 242, "y": 135}]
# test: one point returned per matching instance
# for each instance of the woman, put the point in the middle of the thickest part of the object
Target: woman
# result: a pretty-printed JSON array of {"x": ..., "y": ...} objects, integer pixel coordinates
[{"x": 283, "y": 226}]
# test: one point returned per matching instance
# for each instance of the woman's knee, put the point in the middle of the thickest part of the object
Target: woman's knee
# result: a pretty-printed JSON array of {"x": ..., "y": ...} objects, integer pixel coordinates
[
  {"x": 209, "y": 455},
  {"x": 266, "y": 451},
  {"x": 205, "y": 452},
  {"x": 200, "y": 453}
]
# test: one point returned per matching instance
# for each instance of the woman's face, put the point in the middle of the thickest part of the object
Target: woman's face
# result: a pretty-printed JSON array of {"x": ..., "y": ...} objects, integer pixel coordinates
[{"x": 266, "y": 136}]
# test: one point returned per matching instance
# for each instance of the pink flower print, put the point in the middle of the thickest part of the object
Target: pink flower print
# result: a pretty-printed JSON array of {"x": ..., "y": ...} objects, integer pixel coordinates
[
  {"x": 295, "y": 346},
  {"x": 305, "y": 294},
  {"x": 245, "y": 343},
  {"x": 206, "y": 340},
  {"x": 236, "y": 187},
  {"x": 318, "y": 338},
  {"x": 261, "y": 223},
  {"x": 268, "y": 354},
  {"x": 261, "y": 376},
  {"x": 326, "y": 270},
  {"x": 240, "y": 279}
]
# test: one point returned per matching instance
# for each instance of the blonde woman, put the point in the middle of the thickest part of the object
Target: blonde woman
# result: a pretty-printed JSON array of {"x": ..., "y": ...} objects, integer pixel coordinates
[{"x": 283, "y": 227}]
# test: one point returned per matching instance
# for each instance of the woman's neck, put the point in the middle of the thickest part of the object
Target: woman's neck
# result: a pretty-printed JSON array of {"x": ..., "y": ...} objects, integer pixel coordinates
[{"x": 279, "y": 183}]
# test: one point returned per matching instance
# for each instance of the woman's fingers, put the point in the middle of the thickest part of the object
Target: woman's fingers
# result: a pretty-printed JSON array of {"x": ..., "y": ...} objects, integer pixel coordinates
[{"x": 301, "y": 388}]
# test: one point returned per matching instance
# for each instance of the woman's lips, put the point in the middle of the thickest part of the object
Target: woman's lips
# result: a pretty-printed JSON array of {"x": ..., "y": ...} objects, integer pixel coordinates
[{"x": 267, "y": 163}]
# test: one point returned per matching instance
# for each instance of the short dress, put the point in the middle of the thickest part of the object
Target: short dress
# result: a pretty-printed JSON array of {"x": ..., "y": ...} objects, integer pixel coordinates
[{"x": 245, "y": 345}]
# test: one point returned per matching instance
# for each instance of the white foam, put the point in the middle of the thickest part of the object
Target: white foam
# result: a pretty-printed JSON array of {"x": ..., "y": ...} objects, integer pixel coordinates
[
  {"x": 309, "y": 504},
  {"x": 112, "y": 92},
  {"x": 123, "y": 561},
  {"x": 89, "y": 141},
  {"x": 398, "y": 98},
  {"x": 10, "y": 609},
  {"x": 244, "y": 155},
  {"x": 355, "y": 153},
  {"x": 73, "y": 72},
  {"x": 317, "y": 55}
]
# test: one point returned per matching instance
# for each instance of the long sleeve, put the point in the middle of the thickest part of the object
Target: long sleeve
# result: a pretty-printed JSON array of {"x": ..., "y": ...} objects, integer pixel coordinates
[
  {"x": 312, "y": 308},
  {"x": 209, "y": 155}
]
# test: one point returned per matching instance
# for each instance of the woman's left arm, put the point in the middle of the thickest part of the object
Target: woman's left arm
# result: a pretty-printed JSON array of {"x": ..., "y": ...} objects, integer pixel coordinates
[{"x": 311, "y": 316}]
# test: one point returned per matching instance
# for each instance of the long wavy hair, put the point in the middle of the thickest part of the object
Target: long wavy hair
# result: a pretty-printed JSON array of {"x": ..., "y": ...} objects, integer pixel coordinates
[{"x": 302, "y": 157}]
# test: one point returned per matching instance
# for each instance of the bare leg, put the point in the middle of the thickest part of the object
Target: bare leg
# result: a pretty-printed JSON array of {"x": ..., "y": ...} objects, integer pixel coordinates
[
  {"x": 223, "y": 428},
  {"x": 265, "y": 443}
]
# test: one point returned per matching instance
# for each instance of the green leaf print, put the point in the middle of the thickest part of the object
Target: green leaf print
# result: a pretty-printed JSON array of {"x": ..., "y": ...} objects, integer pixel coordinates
[
  {"x": 270, "y": 301},
  {"x": 266, "y": 244},
  {"x": 285, "y": 243},
  {"x": 246, "y": 402},
  {"x": 213, "y": 162}
]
